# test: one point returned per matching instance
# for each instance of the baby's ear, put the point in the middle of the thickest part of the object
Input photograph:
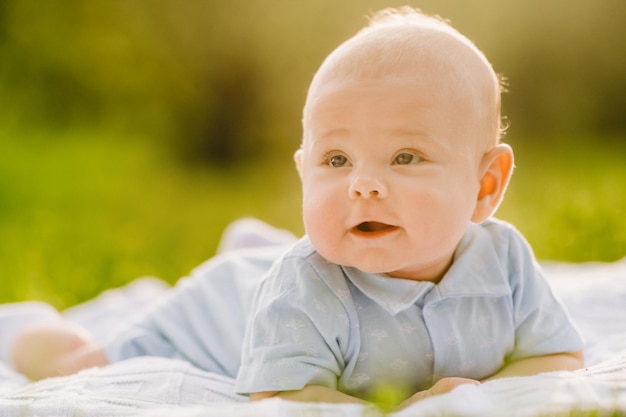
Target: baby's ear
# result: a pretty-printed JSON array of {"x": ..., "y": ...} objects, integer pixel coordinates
[
  {"x": 297, "y": 157},
  {"x": 496, "y": 166}
]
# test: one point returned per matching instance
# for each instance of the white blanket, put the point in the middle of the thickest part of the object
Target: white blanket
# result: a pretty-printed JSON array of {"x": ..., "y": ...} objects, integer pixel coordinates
[{"x": 595, "y": 295}]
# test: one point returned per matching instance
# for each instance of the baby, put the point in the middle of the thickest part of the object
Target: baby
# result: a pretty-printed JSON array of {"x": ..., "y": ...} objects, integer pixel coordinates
[
  {"x": 402, "y": 279},
  {"x": 403, "y": 286}
]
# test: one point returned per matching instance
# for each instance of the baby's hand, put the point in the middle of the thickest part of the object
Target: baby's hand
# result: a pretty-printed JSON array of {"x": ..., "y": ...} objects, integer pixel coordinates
[{"x": 441, "y": 387}]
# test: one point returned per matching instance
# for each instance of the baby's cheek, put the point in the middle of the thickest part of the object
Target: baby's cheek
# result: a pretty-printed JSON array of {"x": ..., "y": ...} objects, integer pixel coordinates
[
  {"x": 320, "y": 205},
  {"x": 323, "y": 230}
]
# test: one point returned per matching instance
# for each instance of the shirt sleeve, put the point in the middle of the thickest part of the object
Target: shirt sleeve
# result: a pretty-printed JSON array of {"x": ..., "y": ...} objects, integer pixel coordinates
[
  {"x": 297, "y": 334},
  {"x": 542, "y": 324}
]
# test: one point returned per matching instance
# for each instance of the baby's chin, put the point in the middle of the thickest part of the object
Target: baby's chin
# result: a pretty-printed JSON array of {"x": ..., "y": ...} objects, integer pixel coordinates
[
  {"x": 395, "y": 271},
  {"x": 371, "y": 263}
]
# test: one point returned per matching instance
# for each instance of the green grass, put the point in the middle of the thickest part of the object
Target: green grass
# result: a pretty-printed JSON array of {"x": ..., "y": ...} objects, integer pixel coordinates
[
  {"x": 78, "y": 216},
  {"x": 568, "y": 197},
  {"x": 81, "y": 215}
]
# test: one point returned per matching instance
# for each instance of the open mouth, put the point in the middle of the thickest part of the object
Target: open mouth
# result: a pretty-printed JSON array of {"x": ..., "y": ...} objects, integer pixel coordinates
[{"x": 374, "y": 227}]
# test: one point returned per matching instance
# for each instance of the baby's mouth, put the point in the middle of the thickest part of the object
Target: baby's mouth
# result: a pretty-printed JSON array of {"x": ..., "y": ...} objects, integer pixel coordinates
[{"x": 373, "y": 227}]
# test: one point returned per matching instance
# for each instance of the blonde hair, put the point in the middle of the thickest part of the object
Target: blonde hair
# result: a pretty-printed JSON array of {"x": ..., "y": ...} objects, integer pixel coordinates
[{"x": 396, "y": 41}]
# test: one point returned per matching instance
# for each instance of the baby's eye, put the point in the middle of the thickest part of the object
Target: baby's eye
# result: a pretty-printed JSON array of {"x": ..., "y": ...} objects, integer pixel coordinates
[
  {"x": 337, "y": 161},
  {"x": 405, "y": 158}
]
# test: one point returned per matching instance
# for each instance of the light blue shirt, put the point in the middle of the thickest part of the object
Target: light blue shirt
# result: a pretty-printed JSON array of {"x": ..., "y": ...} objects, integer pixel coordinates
[
  {"x": 315, "y": 322},
  {"x": 202, "y": 321}
]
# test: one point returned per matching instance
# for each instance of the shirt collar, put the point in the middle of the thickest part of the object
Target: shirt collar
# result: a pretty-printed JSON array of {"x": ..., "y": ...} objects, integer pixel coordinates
[
  {"x": 476, "y": 271},
  {"x": 392, "y": 294}
]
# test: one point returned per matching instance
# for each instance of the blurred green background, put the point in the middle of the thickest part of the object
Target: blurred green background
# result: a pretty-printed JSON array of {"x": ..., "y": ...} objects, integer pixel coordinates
[{"x": 133, "y": 131}]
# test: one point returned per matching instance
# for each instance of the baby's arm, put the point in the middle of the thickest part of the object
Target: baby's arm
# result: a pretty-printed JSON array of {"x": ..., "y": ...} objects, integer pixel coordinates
[
  {"x": 310, "y": 393},
  {"x": 55, "y": 348},
  {"x": 442, "y": 386},
  {"x": 538, "y": 364},
  {"x": 546, "y": 339},
  {"x": 317, "y": 393},
  {"x": 522, "y": 367}
]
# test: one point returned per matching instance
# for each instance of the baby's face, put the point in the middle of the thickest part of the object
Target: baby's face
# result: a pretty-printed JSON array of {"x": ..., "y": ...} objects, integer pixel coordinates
[{"x": 390, "y": 174}]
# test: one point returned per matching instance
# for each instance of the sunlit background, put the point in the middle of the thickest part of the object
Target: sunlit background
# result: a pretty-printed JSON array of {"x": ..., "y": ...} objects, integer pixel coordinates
[{"x": 133, "y": 131}]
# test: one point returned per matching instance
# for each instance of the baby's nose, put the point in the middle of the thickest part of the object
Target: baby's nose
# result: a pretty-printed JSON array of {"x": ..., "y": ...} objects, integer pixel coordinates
[{"x": 367, "y": 187}]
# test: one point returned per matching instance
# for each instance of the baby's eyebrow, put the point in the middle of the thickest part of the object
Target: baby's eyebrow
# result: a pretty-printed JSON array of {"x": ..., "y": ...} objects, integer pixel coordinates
[
  {"x": 420, "y": 136},
  {"x": 416, "y": 137},
  {"x": 405, "y": 132},
  {"x": 333, "y": 133}
]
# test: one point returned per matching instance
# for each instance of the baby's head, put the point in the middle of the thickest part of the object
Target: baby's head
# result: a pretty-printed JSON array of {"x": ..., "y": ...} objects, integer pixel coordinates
[
  {"x": 408, "y": 45},
  {"x": 401, "y": 147}
]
